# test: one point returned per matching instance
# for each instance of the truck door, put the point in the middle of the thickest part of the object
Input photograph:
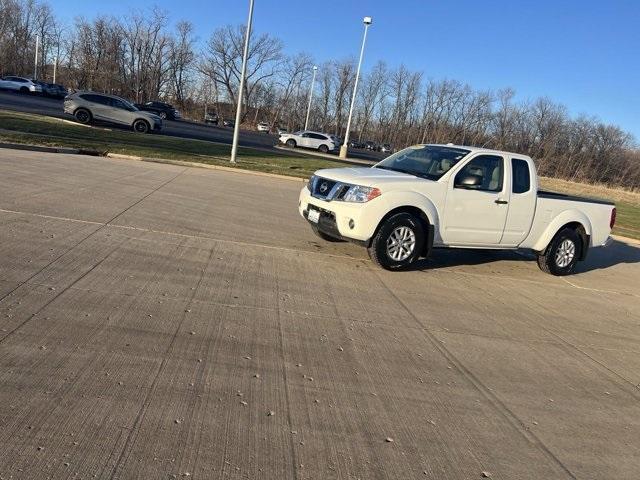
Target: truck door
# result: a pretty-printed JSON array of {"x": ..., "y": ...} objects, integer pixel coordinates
[
  {"x": 477, "y": 203},
  {"x": 522, "y": 203}
]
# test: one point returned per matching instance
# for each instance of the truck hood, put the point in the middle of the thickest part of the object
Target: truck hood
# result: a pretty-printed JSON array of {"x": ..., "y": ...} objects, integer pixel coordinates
[{"x": 365, "y": 176}]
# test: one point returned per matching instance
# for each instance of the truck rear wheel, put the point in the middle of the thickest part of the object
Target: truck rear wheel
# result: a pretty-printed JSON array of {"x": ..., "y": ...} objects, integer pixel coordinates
[
  {"x": 398, "y": 242},
  {"x": 561, "y": 256}
]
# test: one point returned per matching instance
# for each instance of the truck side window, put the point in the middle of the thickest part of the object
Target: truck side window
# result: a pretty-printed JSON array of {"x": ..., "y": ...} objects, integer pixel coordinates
[
  {"x": 521, "y": 176},
  {"x": 489, "y": 170}
]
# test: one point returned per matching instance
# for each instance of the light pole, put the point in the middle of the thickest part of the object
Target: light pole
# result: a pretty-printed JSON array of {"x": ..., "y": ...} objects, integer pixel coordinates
[
  {"x": 35, "y": 64},
  {"x": 313, "y": 79},
  {"x": 236, "y": 127},
  {"x": 55, "y": 68},
  {"x": 343, "y": 149}
]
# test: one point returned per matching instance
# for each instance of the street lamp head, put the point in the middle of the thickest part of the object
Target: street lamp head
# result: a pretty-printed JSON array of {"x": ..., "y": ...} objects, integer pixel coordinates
[
  {"x": 315, "y": 67},
  {"x": 367, "y": 21}
]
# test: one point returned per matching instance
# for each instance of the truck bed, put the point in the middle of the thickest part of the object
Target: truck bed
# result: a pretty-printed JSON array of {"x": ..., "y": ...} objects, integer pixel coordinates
[{"x": 572, "y": 198}]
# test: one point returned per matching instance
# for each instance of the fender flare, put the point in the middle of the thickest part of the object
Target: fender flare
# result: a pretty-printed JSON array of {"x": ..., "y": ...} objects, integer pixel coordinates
[
  {"x": 398, "y": 201},
  {"x": 567, "y": 217}
]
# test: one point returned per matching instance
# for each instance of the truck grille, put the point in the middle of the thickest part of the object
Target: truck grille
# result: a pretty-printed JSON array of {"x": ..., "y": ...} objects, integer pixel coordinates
[{"x": 322, "y": 187}]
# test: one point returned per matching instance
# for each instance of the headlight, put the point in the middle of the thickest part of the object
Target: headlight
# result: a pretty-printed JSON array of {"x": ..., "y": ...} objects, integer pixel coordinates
[
  {"x": 310, "y": 183},
  {"x": 359, "y": 194}
]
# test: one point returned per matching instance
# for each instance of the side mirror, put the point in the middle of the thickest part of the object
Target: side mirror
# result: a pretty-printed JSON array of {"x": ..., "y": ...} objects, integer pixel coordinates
[{"x": 469, "y": 181}]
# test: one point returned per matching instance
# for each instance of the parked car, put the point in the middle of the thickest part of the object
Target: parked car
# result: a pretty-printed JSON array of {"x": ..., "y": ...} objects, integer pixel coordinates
[
  {"x": 355, "y": 144},
  {"x": 89, "y": 106},
  {"x": 336, "y": 140},
  {"x": 52, "y": 90},
  {"x": 430, "y": 196},
  {"x": 163, "y": 110},
  {"x": 282, "y": 131},
  {"x": 369, "y": 145},
  {"x": 386, "y": 148},
  {"x": 211, "y": 118},
  {"x": 229, "y": 123},
  {"x": 309, "y": 139},
  {"x": 263, "y": 127},
  {"x": 20, "y": 84}
]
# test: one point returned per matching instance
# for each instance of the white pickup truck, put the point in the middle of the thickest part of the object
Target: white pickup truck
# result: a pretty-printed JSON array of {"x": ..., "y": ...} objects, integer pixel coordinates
[{"x": 429, "y": 196}]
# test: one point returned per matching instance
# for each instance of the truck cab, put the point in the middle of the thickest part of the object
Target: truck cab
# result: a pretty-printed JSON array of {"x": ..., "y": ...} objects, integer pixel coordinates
[{"x": 451, "y": 196}]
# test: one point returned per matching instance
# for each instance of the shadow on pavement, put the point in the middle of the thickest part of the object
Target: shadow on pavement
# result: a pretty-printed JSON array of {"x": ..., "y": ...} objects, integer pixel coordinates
[
  {"x": 598, "y": 258},
  {"x": 457, "y": 257},
  {"x": 615, "y": 254}
]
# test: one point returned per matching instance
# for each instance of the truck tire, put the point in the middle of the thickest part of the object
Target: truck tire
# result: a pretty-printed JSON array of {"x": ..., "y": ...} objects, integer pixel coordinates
[
  {"x": 324, "y": 236},
  {"x": 561, "y": 256},
  {"x": 398, "y": 242}
]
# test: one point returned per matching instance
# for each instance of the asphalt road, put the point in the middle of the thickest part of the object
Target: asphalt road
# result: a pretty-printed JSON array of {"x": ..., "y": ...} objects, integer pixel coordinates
[
  {"x": 184, "y": 129},
  {"x": 158, "y": 320}
]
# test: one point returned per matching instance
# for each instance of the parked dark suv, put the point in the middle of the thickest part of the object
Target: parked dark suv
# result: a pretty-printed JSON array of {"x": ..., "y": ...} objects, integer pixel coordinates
[
  {"x": 53, "y": 90},
  {"x": 163, "y": 110}
]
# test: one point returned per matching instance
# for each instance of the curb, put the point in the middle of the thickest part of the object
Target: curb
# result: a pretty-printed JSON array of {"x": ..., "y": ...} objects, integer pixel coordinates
[
  {"x": 620, "y": 238},
  {"x": 39, "y": 148},
  {"x": 36, "y": 148},
  {"x": 121, "y": 156},
  {"x": 182, "y": 163}
]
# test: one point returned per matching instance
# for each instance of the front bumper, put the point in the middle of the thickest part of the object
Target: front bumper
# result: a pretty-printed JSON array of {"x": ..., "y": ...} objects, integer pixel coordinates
[{"x": 355, "y": 222}]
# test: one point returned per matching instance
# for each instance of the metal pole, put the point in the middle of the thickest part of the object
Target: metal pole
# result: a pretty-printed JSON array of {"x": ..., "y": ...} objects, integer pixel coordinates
[
  {"x": 344, "y": 147},
  {"x": 35, "y": 65},
  {"x": 236, "y": 127},
  {"x": 313, "y": 79},
  {"x": 55, "y": 67}
]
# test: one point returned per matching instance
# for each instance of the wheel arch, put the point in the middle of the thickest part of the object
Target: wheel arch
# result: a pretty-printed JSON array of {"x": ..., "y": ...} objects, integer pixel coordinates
[
  {"x": 581, "y": 227},
  {"x": 416, "y": 212}
]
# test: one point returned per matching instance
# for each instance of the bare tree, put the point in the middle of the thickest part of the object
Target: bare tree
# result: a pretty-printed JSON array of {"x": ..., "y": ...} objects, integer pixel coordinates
[
  {"x": 181, "y": 61},
  {"x": 223, "y": 60}
]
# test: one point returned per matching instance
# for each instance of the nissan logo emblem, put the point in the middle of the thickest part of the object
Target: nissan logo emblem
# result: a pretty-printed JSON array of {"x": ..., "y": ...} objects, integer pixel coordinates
[{"x": 324, "y": 186}]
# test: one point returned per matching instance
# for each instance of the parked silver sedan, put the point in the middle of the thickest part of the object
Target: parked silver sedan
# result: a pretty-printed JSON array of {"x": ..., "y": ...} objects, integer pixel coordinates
[{"x": 89, "y": 106}]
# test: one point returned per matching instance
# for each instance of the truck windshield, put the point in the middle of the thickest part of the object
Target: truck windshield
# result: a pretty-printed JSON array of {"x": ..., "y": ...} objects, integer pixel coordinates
[{"x": 427, "y": 161}]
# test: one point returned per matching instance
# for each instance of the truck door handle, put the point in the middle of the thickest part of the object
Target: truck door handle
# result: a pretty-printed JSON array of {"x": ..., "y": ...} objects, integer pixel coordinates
[{"x": 501, "y": 202}]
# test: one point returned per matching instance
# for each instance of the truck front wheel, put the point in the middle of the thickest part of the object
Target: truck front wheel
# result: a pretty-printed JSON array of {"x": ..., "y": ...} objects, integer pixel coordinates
[
  {"x": 561, "y": 256},
  {"x": 398, "y": 242}
]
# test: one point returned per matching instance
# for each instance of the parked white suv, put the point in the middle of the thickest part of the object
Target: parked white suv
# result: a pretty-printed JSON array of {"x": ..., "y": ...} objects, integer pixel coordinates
[
  {"x": 451, "y": 196},
  {"x": 263, "y": 127},
  {"x": 308, "y": 139},
  {"x": 20, "y": 84},
  {"x": 89, "y": 106}
]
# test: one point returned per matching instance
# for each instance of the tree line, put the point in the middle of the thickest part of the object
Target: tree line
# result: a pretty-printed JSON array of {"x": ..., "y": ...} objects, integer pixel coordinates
[{"x": 143, "y": 56}]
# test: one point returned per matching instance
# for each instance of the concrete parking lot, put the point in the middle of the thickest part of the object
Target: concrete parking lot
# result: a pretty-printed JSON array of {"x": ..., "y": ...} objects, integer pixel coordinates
[{"x": 160, "y": 322}]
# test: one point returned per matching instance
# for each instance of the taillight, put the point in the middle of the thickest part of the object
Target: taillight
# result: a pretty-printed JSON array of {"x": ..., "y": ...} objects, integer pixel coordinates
[{"x": 612, "y": 222}]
